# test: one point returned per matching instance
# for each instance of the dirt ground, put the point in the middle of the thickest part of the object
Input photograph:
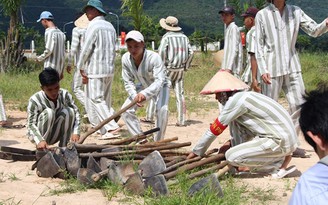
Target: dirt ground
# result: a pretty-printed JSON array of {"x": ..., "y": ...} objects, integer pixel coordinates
[{"x": 20, "y": 185}]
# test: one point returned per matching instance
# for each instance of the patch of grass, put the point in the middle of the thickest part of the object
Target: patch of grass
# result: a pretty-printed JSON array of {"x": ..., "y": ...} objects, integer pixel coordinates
[
  {"x": 70, "y": 185},
  {"x": 13, "y": 177},
  {"x": 10, "y": 201}
]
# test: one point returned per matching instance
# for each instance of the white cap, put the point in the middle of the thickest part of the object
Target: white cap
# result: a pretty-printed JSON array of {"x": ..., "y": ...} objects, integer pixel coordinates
[
  {"x": 45, "y": 15},
  {"x": 134, "y": 35}
]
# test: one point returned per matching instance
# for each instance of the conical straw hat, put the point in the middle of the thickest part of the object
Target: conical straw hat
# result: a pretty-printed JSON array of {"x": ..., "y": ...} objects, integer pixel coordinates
[
  {"x": 82, "y": 22},
  {"x": 218, "y": 58},
  {"x": 223, "y": 81}
]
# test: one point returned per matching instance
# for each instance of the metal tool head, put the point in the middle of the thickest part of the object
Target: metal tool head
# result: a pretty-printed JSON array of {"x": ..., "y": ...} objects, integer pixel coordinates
[
  {"x": 84, "y": 175},
  {"x": 210, "y": 183},
  {"x": 58, "y": 154},
  {"x": 72, "y": 160},
  {"x": 104, "y": 163},
  {"x": 157, "y": 184},
  {"x": 47, "y": 166},
  {"x": 119, "y": 172},
  {"x": 152, "y": 165},
  {"x": 135, "y": 184},
  {"x": 93, "y": 164}
]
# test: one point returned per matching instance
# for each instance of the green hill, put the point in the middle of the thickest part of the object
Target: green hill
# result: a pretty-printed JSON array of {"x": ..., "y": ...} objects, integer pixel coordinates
[{"x": 192, "y": 14}]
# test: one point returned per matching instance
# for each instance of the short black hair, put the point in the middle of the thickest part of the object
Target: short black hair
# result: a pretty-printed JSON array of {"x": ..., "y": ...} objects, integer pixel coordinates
[
  {"x": 49, "y": 76},
  {"x": 314, "y": 114}
]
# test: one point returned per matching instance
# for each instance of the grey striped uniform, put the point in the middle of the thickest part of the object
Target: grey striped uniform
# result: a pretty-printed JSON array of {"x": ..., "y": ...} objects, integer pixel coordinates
[
  {"x": 50, "y": 122},
  {"x": 3, "y": 116},
  {"x": 54, "y": 53},
  {"x": 175, "y": 50},
  {"x": 276, "y": 54},
  {"x": 152, "y": 75},
  {"x": 97, "y": 59},
  {"x": 76, "y": 46},
  {"x": 262, "y": 131},
  {"x": 233, "y": 50},
  {"x": 250, "y": 47}
]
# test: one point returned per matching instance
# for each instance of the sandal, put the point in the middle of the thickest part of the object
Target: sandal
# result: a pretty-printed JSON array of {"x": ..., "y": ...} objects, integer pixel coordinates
[
  {"x": 108, "y": 136},
  {"x": 283, "y": 172},
  {"x": 144, "y": 120}
]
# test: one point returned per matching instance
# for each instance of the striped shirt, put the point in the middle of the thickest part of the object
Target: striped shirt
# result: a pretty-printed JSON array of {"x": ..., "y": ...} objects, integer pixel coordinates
[
  {"x": 276, "y": 37},
  {"x": 98, "y": 52},
  {"x": 3, "y": 116},
  {"x": 151, "y": 73},
  {"x": 77, "y": 44},
  {"x": 259, "y": 115},
  {"x": 233, "y": 50},
  {"x": 250, "y": 47},
  {"x": 54, "y": 53},
  {"x": 39, "y": 102},
  {"x": 175, "y": 50}
]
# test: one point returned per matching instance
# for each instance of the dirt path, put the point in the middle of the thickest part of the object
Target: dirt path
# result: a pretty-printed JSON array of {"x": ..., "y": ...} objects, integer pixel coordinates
[{"x": 20, "y": 185}]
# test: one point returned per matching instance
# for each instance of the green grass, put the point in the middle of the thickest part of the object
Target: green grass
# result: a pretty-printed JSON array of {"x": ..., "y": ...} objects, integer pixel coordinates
[{"x": 17, "y": 87}]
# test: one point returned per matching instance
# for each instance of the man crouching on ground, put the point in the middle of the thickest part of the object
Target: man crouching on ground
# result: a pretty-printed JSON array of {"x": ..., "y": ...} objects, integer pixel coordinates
[
  {"x": 262, "y": 132},
  {"x": 52, "y": 113}
]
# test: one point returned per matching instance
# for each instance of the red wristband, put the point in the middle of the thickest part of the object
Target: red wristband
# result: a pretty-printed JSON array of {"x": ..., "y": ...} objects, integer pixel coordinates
[{"x": 217, "y": 127}]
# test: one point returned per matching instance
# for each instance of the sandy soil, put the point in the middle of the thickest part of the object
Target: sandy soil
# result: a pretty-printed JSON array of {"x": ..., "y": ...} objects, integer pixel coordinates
[{"x": 28, "y": 188}]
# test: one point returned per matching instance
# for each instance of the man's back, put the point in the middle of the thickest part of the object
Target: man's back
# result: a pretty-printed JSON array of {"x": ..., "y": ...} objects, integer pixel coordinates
[{"x": 175, "y": 50}]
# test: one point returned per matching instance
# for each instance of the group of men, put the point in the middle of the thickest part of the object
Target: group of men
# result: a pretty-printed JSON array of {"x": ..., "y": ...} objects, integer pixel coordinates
[
  {"x": 263, "y": 133},
  {"x": 147, "y": 75}
]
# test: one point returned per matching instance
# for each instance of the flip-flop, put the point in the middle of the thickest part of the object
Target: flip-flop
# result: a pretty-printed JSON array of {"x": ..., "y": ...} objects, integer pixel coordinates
[
  {"x": 114, "y": 132},
  {"x": 108, "y": 136},
  {"x": 144, "y": 120},
  {"x": 283, "y": 172}
]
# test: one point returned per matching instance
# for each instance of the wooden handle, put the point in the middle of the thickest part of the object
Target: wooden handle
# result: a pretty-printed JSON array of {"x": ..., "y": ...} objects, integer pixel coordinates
[
  {"x": 104, "y": 122},
  {"x": 204, "y": 171},
  {"x": 109, "y": 154},
  {"x": 199, "y": 163}
]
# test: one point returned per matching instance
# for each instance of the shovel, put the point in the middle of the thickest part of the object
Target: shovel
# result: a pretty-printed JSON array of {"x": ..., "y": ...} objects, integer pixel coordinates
[
  {"x": 157, "y": 184},
  {"x": 209, "y": 183},
  {"x": 72, "y": 160},
  {"x": 152, "y": 165},
  {"x": 135, "y": 184},
  {"x": 118, "y": 172},
  {"x": 101, "y": 124}
]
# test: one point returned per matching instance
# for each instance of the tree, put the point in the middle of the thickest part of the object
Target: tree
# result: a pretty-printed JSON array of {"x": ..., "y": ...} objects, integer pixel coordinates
[
  {"x": 11, "y": 52},
  {"x": 133, "y": 9},
  {"x": 141, "y": 22}
]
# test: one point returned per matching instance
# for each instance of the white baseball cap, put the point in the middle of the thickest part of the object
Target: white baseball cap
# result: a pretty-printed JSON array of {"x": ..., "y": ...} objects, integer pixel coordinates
[
  {"x": 134, "y": 35},
  {"x": 45, "y": 15}
]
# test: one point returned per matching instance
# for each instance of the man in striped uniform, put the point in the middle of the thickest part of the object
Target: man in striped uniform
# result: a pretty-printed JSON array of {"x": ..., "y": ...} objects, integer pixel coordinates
[
  {"x": 3, "y": 117},
  {"x": 233, "y": 50},
  {"x": 250, "y": 75},
  {"x": 177, "y": 54},
  {"x": 277, "y": 27},
  {"x": 262, "y": 132},
  {"x": 96, "y": 65},
  {"x": 52, "y": 114},
  {"x": 144, "y": 66},
  {"x": 76, "y": 46},
  {"x": 54, "y": 53}
]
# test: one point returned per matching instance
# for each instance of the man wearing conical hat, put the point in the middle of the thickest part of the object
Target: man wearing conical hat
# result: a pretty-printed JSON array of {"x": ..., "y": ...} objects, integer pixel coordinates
[
  {"x": 78, "y": 33},
  {"x": 262, "y": 132}
]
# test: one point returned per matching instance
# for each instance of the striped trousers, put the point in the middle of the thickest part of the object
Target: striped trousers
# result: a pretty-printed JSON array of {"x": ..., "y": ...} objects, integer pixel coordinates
[
  {"x": 56, "y": 126},
  {"x": 132, "y": 122},
  {"x": 98, "y": 102},
  {"x": 78, "y": 87},
  {"x": 3, "y": 116},
  {"x": 293, "y": 87},
  {"x": 176, "y": 78}
]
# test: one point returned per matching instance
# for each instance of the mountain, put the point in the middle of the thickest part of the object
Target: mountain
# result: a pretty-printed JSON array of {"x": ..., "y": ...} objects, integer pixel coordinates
[{"x": 192, "y": 14}]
